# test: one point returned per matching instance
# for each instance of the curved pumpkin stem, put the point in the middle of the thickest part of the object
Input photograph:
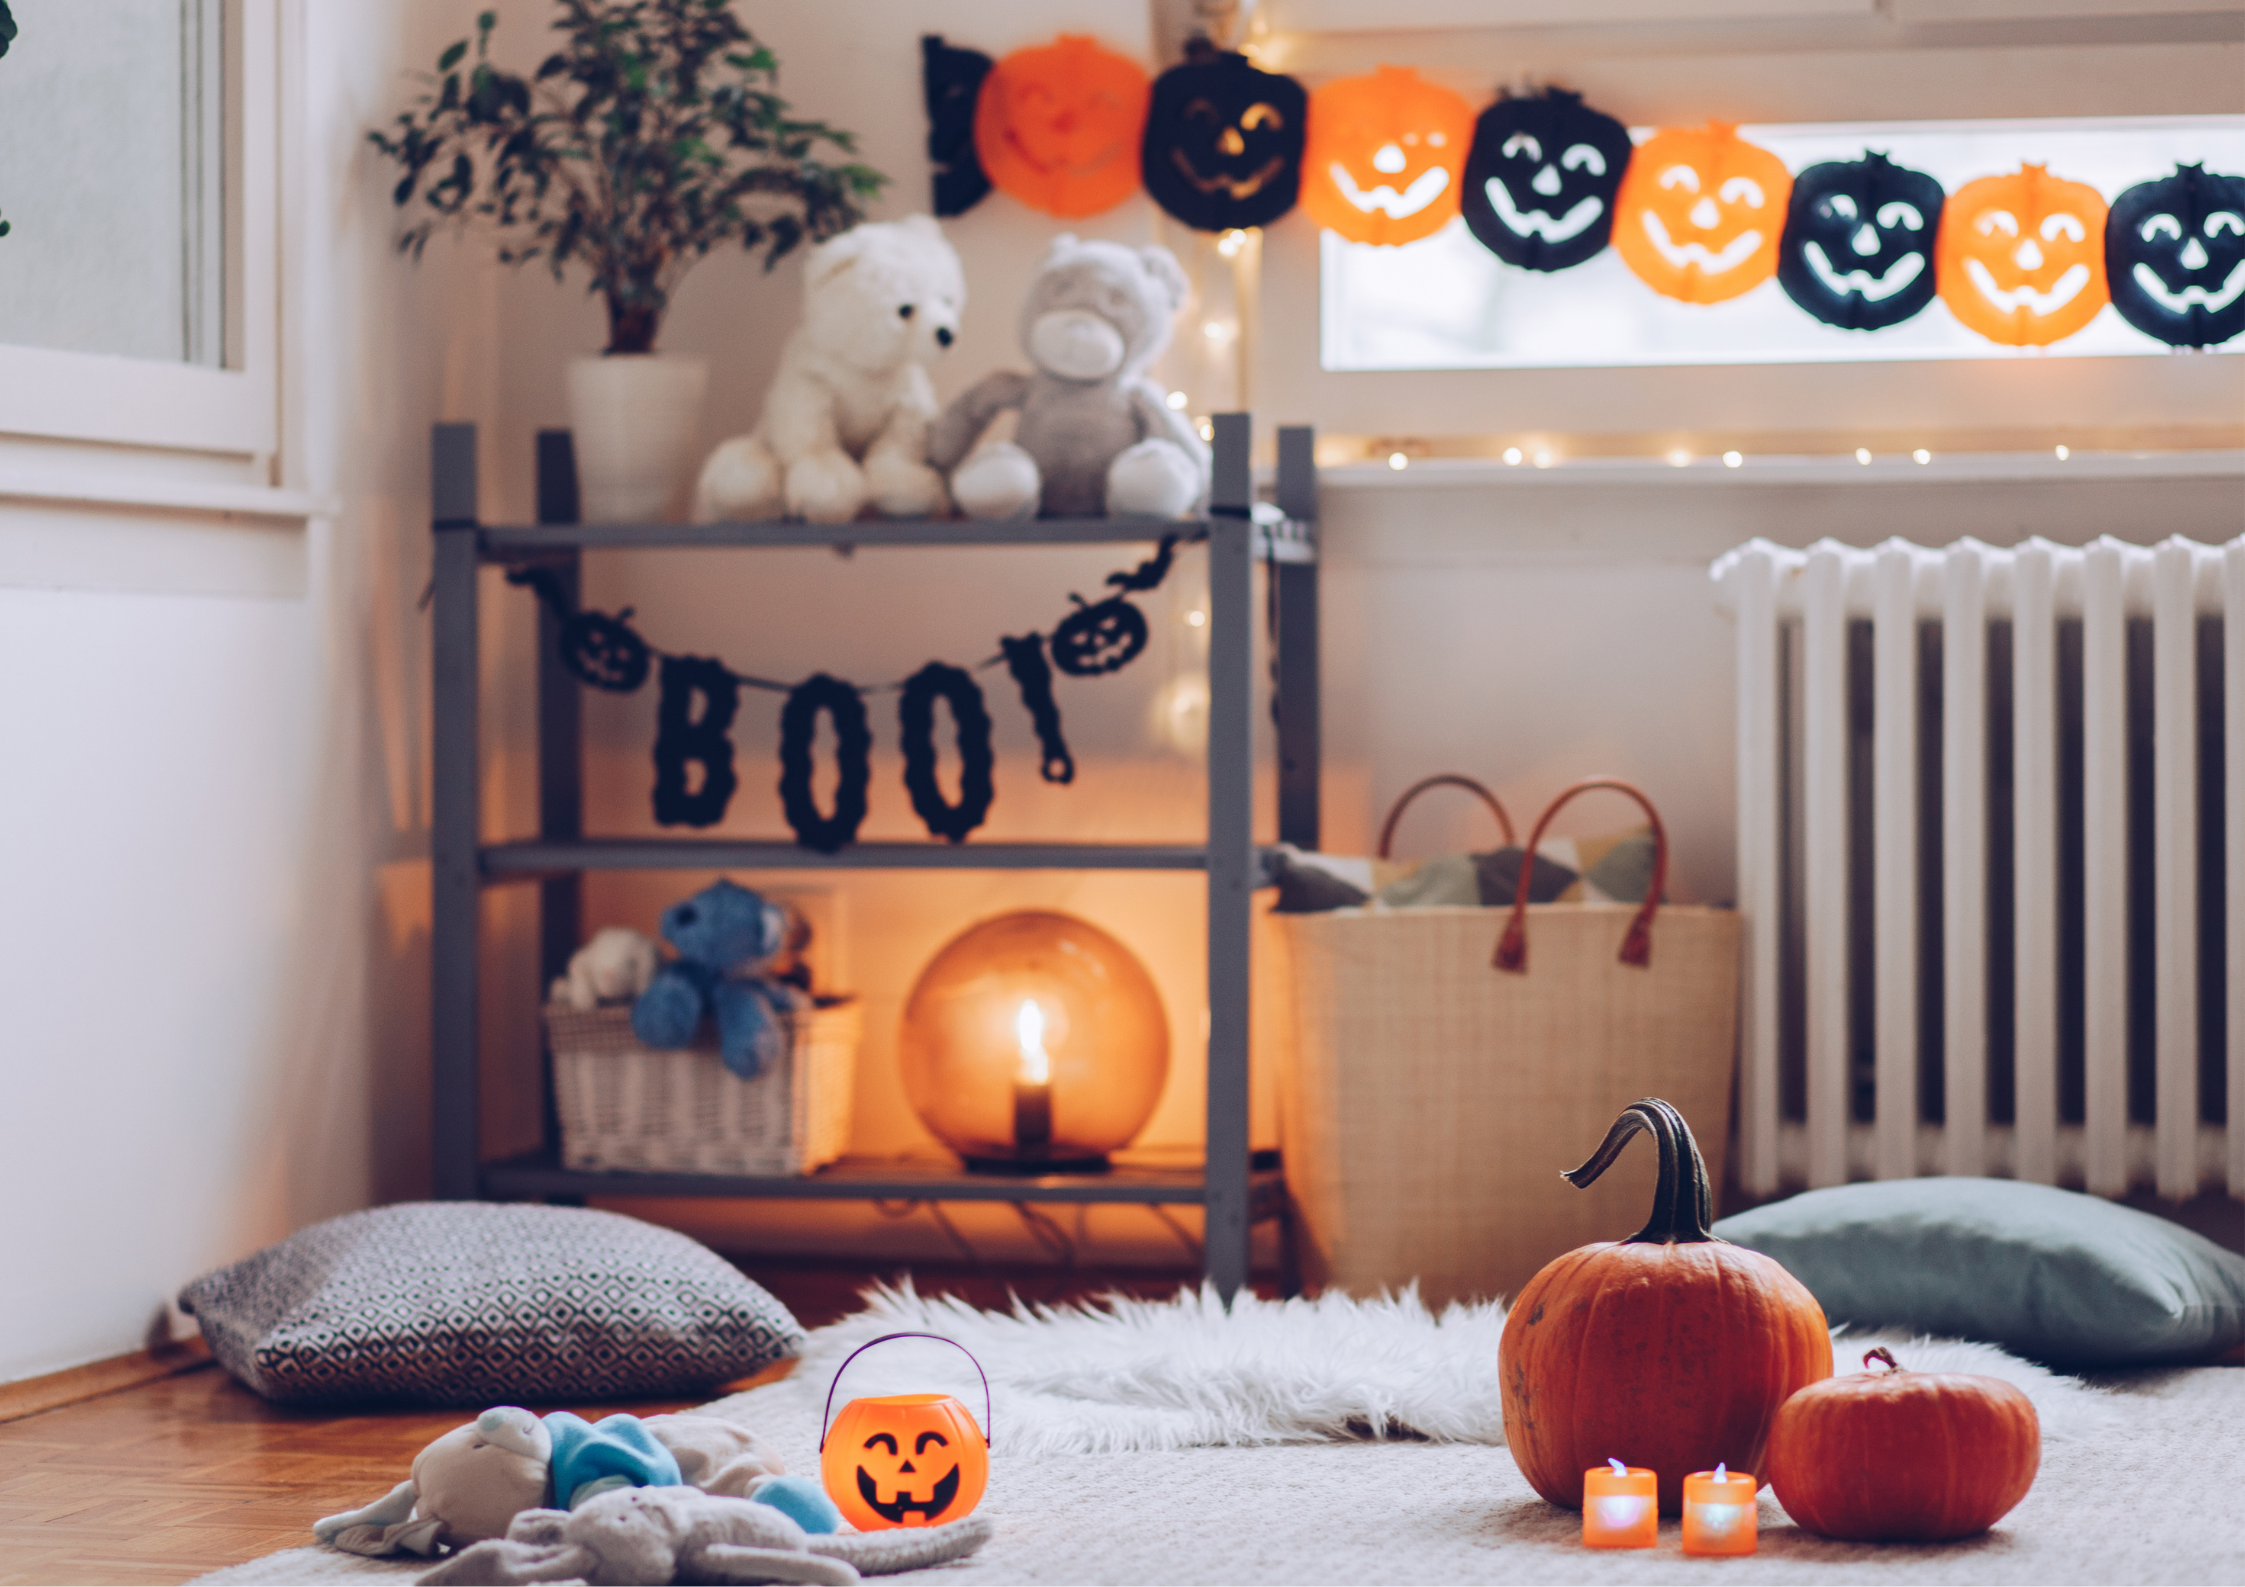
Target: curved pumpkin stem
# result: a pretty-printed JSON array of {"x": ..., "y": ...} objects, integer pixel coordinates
[
  {"x": 1683, "y": 1205},
  {"x": 1882, "y": 1353}
]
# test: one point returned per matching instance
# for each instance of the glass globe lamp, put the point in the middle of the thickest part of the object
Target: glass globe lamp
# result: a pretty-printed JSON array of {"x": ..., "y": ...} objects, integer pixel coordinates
[{"x": 1035, "y": 1043}]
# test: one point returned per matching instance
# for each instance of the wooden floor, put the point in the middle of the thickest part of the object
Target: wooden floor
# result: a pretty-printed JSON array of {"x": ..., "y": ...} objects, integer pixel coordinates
[{"x": 167, "y": 1480}]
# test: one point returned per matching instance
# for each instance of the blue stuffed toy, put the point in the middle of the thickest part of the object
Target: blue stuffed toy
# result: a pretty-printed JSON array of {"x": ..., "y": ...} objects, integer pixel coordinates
[{"x": 724, "y": 934}]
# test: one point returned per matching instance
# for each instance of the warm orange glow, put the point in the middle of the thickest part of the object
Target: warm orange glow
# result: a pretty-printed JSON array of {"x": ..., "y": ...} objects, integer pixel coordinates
[
  {"x": 1719, "y": 1512},
  {"x": 1620, "y": 1506},
  {"x": 1034, "y": 1038}
]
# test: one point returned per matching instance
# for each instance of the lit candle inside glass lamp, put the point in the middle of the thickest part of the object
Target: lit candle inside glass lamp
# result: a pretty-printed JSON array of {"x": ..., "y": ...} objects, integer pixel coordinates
[
  {"x": 1719, "y": 1512},
  {"x": 1032, "y": 1083},
  {"x": 1620, "y": 1506}
]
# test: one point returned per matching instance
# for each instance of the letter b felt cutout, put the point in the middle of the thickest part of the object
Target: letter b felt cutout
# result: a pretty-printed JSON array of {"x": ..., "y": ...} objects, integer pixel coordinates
[{"x": 682, "y": 737}]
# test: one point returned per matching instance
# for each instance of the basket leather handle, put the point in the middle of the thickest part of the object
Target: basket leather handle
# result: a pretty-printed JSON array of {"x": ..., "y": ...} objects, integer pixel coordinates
[
  {"x": 884, "y": 1339},
  {"x": 1447, "y": 779},
  {"x": 1637, "y": 943}
]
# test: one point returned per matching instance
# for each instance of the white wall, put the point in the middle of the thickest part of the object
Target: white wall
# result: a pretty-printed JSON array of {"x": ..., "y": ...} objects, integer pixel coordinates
[{"x": 212, "y": 802}]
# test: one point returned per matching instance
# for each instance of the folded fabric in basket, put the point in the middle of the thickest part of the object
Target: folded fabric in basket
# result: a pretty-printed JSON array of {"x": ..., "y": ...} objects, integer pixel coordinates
[{"x": 1612, "y": 869}]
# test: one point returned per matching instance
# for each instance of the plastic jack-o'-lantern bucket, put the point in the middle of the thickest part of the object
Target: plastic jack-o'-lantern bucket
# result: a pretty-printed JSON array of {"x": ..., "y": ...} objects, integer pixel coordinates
[{"x": 904, "y": 1459}]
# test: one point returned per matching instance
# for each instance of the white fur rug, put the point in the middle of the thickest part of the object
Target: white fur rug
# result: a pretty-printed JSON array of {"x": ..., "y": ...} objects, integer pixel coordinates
[
  {"x": 1102, "y": 1470},
  {"x": 1184, "y": 1373}
]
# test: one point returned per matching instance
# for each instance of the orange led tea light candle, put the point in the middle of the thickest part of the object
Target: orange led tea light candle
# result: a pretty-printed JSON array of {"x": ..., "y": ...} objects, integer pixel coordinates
[
  {"x": 1620, "y": 1506},
  {"x": 1719, "y": 1512}
]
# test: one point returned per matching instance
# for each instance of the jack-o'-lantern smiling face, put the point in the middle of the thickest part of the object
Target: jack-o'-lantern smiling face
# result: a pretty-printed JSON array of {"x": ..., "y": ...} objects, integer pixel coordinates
[
  {"x": 909, "y": 1476},
  {"x": 1058, "y": 126},
  {"x": 1383, "y": 156},
  {"x": 1540, "y": 179},
  {"x": 1857, "y": 252},
  {"x": 2021, "y": 258},
  {"x": 1224, "y": 142},
  {"x": 1700, "y": 212},
  {"x": 2175, "y": 257}
]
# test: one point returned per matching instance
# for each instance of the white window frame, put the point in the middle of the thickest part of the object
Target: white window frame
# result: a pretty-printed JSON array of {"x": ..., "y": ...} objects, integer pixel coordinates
[{"x": 47, "y": 394}]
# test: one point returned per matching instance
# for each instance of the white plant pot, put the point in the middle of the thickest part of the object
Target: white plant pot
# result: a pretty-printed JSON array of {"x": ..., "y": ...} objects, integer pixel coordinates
[{"x": 637, "y": 424}]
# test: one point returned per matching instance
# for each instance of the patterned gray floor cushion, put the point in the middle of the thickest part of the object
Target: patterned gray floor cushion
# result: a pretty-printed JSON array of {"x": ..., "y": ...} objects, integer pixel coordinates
[{"x": 475, "y": 1303}]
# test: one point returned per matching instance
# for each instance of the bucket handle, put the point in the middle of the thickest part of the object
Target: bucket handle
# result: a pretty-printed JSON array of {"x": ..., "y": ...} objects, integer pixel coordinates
[
  {"x": 1637, "y": 945},
  {"x": 1447, "y": 779},
  {"x": 884, "y": 1339}
]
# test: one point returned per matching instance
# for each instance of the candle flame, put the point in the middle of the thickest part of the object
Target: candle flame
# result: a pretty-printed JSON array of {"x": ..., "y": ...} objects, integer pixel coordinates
[
  {"x": 1029, "y": 1031},
  {"x": 1722, "y": 1472},
  {"x": 1620, "y": 1470}
]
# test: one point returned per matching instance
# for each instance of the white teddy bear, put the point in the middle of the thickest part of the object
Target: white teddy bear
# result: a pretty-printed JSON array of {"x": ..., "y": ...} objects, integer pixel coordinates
[
  {"x": 846, "y": 419},
  {"x": 618, "y": 963}
]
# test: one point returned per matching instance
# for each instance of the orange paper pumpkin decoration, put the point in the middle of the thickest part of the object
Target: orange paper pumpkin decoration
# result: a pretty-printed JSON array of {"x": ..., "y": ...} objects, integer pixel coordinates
[
  {"x": 1058, "y": 126},
  {"x": 904, "y": 1459},
  {"x": 1383, "y": 156},
  {"x": 1700, "y": 212},
  {"x": 2021, "y": 258}
]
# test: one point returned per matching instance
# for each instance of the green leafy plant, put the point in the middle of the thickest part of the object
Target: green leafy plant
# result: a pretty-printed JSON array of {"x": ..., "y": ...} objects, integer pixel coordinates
[{"x": 652, "y": 136}]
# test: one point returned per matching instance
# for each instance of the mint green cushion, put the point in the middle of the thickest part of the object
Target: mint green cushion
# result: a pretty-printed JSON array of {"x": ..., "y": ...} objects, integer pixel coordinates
[{"x": 2072, "y": 1280}]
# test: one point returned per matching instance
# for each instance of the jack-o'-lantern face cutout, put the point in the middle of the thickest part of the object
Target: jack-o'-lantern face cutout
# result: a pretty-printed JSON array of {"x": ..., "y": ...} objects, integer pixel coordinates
[
  {"x": 1857, "y": 252},
  {"x": 1058, "y": 126},
  {"x": 1540, "y": 179},
  {"x": 2021, "y": 258},
  {"x": 904, "y": 1460},
  {"x": 1224, "y": 142},
  {"x": 2175, "y": 257},
  {"x": 1700, "y": 212},
  {"x": 1384, "y": 155}
]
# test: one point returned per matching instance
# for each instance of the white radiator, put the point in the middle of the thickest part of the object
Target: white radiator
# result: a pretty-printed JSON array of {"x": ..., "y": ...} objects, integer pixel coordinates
[{"x": 1912, "y": 902}]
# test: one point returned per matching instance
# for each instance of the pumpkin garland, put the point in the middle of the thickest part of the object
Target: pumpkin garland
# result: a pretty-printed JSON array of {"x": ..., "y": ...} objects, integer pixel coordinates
[
  {"x": 1671, "y": 1350},
  {"x": 1384, "y": 156},
  {"x": 1900, "y": 1456},
  {"x": 2021, "y": 258}
]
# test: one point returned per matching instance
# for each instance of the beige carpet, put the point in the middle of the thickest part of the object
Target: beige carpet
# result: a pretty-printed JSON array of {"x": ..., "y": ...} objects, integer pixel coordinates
[{"x": 2160, "y": 1498}]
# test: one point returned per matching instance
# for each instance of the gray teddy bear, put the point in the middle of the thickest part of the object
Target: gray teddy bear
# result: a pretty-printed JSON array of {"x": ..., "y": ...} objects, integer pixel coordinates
[
  {"x": 645, "y": 1537},
  {"x": 1095, "y": 435}
]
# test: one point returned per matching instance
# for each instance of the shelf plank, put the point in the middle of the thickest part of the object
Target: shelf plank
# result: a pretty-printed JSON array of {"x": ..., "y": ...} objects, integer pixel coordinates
[
  {"x": 876, "y": 1179},
  {"x": 510, "y": 543},
  {"x": 539, "y": 857}
]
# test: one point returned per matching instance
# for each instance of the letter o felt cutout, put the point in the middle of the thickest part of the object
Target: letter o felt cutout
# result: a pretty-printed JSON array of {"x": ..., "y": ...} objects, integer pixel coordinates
[
  {"x": 853, "y": 756},
  {"x": 681, "y": 737},
  {"x": 1025, "y": 659},
  {"x": 917, "y": 709}
]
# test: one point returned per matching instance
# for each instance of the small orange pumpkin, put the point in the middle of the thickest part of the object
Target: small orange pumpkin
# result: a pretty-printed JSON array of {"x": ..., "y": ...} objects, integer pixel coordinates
[
  {"x": 1058, "y": 126},
  {"x": 1700, "y": 212},
  {"x": 902, "y": 1460},
  {"x": 1919, "y": 1457},
  {"x": 1670, "y": 1350},
  {"x": 1383, "y": 155},
  {"x": 2021, "y": 258}
]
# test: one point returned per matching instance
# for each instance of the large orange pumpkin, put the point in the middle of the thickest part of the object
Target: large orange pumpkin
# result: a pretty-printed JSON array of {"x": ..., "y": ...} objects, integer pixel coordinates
[
  {"x": 1382, "y": 160},
  {"x": 1920, "y": 1457},
  {"x": 1670, "y": 1350},
  {"x": 2021, "y": 258},
  {"x": 1700, "y": 211},
  {"x": 1058, "y": 126},
  {"x": 904, "y": 1459}
]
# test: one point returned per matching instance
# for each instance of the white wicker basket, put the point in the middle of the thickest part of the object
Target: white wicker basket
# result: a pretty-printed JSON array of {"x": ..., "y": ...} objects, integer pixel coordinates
[{"x": 623, "y": 1105}]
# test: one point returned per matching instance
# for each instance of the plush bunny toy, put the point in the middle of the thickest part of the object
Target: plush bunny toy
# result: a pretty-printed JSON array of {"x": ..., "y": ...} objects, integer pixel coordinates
[
  {"x": 638, "y": 1535},
  {"x": 469, "y": 1485},
  {"x": 725, "y": 936}
]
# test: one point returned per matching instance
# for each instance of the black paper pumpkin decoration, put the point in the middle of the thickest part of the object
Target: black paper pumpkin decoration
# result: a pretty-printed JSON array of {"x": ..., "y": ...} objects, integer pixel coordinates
[
  {"x": 605, "y": 651},
  {"x": 2175, "y": 257},
  {"x": 1102, "y": 636},
  {"x": 1540, "y": 179},
  {"x": 1223, "y": 145},
  {"x": 1857, "y": 250},
  {"x": 951, "y": 80}
]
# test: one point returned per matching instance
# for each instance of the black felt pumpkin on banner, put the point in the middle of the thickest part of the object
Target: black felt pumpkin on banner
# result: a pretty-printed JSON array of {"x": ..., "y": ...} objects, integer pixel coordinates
[
  {"x": 1100, "y": 637},
  {"x": 1540, "y": 179},
  {"x": 2175, "y": 257},
  {"x": 1857, "y": 250},
  {"x": 950, "y": 81},
  {"x": 1223, "y": 146},
  {"x": 605, "y": 651}
]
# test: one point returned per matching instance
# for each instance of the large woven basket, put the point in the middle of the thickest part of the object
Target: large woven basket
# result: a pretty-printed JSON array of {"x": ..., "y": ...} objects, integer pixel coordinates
[{"x": 626, "y": 1106}]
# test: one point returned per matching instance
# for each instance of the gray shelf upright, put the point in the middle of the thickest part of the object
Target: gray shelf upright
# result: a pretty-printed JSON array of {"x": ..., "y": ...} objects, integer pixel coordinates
[{"x": 1233, "y": 1191}]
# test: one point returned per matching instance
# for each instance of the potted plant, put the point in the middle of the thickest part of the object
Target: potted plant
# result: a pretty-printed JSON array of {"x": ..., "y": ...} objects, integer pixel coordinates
[{"x": 649, "y": 138}]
